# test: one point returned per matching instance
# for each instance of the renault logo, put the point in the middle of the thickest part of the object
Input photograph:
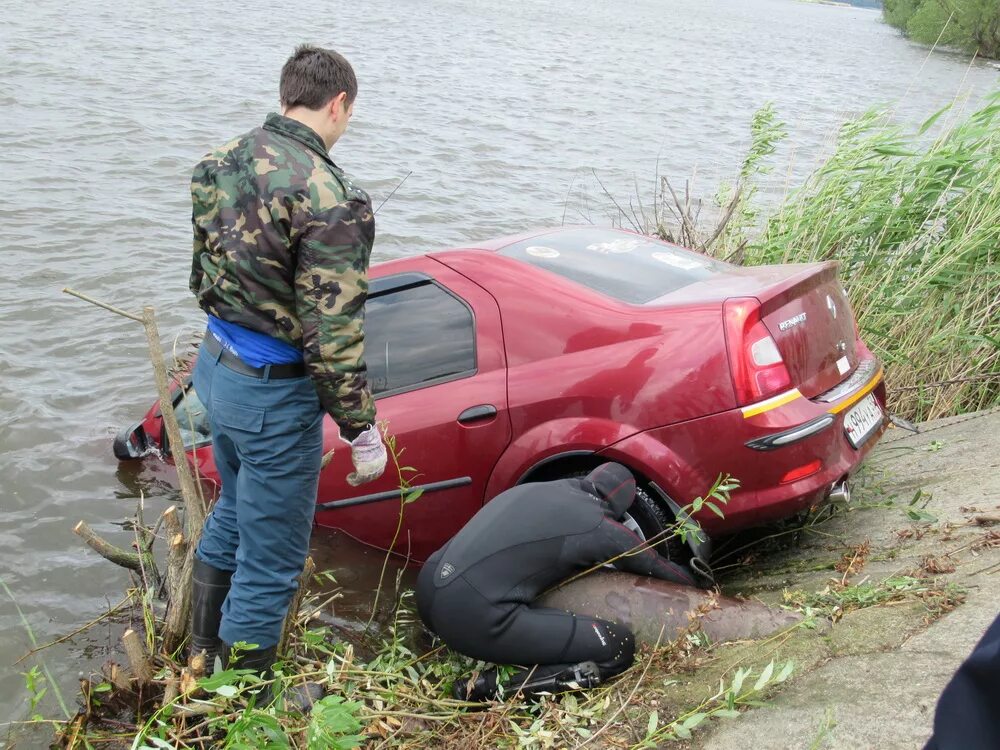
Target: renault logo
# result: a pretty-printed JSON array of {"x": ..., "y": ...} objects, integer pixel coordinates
[{"x": 831, "y": 306}]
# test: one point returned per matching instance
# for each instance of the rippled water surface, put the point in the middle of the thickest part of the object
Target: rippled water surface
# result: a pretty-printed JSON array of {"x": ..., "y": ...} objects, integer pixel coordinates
[{"x": 501, "y": 110}]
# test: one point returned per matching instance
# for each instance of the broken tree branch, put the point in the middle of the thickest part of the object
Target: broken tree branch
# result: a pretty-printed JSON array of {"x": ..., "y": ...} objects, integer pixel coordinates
[
  {"x": 107, "y": 550},
  {"x": 171, "y": 522},
  {"x": 104, "y": 305},
  {"x": 138, "y": 658}
]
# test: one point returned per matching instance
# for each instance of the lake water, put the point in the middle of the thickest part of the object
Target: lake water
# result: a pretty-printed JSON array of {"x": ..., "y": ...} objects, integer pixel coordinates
[{"x": 502, "y": 111}]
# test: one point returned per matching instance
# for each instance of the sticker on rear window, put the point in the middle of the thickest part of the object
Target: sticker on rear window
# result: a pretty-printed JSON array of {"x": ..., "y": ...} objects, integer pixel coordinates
[
  {"x": 624, "y": 245},
  {"x": 540, "y": 251},
  {"x": 678, "y": 261}
]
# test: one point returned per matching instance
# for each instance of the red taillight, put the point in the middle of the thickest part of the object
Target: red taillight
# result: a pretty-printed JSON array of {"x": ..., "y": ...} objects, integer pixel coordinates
[
  {"x": 801, "y": 472},
  {"x": 754, "y": 360}
]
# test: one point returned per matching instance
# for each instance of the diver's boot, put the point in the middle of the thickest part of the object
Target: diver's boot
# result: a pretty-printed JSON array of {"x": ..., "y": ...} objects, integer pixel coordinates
[
  {"x": 209, "y": 589},
  {"x": 483, "y": 687},
  {"x": 528, "y": 683},
  {"x": 580, "y": 676}
]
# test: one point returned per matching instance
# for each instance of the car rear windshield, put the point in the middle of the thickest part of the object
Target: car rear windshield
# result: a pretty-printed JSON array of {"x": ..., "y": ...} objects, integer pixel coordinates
[{"x": 628, "y": 267}]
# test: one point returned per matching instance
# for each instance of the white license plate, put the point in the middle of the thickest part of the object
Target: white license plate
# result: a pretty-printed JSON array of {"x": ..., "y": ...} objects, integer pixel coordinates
[{"x": 862, "y": 420}]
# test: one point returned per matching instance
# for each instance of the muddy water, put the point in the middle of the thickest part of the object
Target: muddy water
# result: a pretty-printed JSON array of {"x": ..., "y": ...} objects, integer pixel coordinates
[{"x": 501, "y": 111}]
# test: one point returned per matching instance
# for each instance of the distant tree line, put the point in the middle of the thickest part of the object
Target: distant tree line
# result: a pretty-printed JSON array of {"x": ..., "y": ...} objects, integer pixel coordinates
[{"x": 965, "y": 24}]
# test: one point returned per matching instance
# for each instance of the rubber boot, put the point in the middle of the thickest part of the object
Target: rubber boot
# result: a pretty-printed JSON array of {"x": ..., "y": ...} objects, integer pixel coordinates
[
  {"x": 210, "y": 587},
  {"x": 259, "y": 660},
  {"x": 298, "y": 698}
]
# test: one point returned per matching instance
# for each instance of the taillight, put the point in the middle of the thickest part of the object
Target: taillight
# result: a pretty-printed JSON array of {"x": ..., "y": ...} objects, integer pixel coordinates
[{"x": 754, "y": 360}]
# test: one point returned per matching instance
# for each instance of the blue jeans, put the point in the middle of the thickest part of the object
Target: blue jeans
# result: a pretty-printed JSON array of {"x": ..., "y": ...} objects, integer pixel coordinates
[{"x": 267, "y": 439}]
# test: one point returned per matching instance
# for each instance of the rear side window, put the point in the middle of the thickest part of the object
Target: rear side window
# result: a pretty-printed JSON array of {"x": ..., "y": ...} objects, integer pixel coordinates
[
  {"x": 628, "y": 267},
  {"x": 417, "y": 336}
]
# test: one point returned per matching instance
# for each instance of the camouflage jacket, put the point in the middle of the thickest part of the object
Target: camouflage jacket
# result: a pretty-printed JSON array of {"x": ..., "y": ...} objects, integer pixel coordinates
[{"x": 282, "y": 240}]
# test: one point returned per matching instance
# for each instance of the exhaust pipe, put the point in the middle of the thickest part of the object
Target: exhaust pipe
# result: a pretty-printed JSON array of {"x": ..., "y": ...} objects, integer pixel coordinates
[{"x": 839, "y": 494}]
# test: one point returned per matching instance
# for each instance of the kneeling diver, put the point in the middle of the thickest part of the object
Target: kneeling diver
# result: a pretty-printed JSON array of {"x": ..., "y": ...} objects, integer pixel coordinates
[{"x": 475, "y": 592}]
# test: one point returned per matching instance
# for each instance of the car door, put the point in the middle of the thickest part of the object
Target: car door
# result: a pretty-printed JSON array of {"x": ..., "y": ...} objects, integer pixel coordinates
[{"x": 435, "y": 356}]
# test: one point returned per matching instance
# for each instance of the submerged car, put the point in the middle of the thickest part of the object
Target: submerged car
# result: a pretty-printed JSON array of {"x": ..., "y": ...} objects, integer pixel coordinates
[{"x": 537, "y": 357}]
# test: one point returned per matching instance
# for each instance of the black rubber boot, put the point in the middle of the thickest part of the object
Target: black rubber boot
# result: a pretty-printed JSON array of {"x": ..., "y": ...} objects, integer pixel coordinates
[
  {"x": 297, "y": 698},
  {"x": 210, "y": 587},
  {"x": 531, "y": 682}
]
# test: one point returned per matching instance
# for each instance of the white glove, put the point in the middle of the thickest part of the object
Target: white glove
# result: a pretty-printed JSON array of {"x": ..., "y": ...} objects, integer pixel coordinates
[{"x": 368, "y": 456}]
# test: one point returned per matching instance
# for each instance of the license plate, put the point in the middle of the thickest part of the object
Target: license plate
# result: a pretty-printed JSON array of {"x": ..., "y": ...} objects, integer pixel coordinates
[{"x": 862, "y": 420}]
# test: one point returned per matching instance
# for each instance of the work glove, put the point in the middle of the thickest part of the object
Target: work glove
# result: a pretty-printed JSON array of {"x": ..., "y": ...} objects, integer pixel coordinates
[{"x": 368, "y": 456}]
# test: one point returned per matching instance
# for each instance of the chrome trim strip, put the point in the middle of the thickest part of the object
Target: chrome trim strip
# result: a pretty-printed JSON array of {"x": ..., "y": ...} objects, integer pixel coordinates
[
  {"x": 861, "y": 375},
  {"x": 794, "y": 435}
]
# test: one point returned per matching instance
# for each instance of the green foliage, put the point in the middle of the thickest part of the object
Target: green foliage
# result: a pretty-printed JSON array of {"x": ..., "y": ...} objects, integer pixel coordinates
[
  {"x": 34, "y": 677},
  {"x": 916, "y": 510},
  {"x": 898, "y": 12},
  {"x": 766, "y": 132},
  {"x": 973, "y": 25},
  {"x": 334, "y": 724},
  {"x": 724, "y": 704},
  {"x": 34, "y": 682}
]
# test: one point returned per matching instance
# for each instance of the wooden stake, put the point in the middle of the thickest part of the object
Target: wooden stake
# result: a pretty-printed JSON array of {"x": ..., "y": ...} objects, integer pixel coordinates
[
  {"x": 193, "y": 503},
  {"x": 180, "y": 568},
  {"x": 179, "y": 606},
  {"x": 138, "y": 657},
  {"x": 293, "y": 608},
  {"x": 169, "y": 691}
]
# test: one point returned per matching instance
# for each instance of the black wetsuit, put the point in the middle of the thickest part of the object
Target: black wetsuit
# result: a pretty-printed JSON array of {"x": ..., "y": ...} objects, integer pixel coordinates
[{"x": 476, "y": 591}]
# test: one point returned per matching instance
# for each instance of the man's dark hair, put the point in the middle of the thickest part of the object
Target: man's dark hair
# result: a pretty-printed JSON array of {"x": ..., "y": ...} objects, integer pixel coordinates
[{"x": 313, "y": 76}]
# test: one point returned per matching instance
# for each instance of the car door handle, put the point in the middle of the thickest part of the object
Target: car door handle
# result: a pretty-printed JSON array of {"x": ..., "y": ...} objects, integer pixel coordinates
[{"x": 476, "y": 413}]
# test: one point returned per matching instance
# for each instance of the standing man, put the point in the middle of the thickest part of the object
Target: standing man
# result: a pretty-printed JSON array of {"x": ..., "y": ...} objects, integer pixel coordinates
[{"x": 282, "y": 240}]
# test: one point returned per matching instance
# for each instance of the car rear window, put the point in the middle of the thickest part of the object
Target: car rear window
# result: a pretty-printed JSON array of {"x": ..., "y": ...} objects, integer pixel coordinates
[{"x": 628, "y": 267}]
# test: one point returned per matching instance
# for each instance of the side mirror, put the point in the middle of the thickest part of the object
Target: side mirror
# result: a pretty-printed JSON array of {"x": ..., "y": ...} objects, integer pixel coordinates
[{"x": 131, "y": 443}]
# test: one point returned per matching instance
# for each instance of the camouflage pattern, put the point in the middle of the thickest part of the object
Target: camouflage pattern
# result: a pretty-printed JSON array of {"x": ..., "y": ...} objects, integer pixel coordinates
[{"x": 282, "y": 241}]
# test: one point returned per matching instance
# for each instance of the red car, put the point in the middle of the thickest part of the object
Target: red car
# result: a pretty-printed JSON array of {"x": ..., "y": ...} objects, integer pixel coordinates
[{"x": 535, "y": 357}]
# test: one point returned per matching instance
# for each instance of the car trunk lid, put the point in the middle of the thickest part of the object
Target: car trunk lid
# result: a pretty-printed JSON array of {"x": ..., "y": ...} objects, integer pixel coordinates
[{"x": 810, "y": 319}]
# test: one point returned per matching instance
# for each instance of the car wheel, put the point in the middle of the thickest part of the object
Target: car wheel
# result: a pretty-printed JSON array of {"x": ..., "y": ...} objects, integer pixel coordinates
[{"x": 648, "y": 518}]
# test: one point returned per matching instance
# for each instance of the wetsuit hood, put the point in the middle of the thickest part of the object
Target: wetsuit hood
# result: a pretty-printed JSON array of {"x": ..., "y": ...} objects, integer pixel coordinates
[{"x": 614, "y": 485}]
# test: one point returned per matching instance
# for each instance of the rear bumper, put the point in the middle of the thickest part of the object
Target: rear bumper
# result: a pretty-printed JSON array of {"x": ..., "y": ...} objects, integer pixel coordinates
[{"x": 787, "y": 457}]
